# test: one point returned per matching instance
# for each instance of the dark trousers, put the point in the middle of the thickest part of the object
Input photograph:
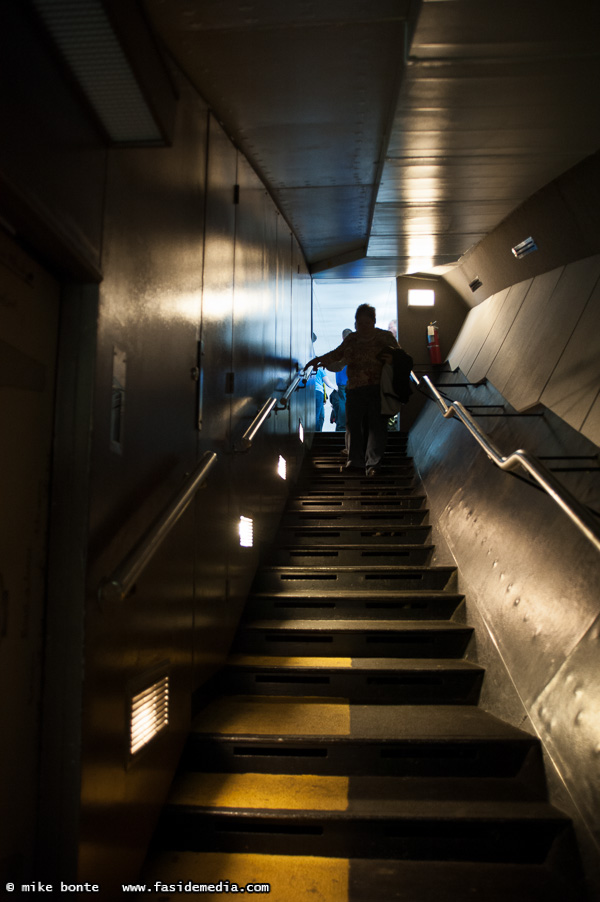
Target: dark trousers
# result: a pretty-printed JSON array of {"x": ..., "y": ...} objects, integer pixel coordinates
[
  {"x": 340, "y": 414},
  {"x": 366, "y": 426}
]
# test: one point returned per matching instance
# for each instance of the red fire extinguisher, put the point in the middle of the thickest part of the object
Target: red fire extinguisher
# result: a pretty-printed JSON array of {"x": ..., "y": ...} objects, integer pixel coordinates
[{"x": 433, "y": 343}]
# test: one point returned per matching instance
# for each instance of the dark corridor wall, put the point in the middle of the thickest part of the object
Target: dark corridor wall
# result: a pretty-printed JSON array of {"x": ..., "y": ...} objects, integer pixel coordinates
[
  {"x": 156, "y": 253},
  {"x": 176, "y": 272}
]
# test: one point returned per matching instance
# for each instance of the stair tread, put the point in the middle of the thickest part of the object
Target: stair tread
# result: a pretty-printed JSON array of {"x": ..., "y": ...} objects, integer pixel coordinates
[
  {"x": 366, "y": 625},
  {"x": 375, "y": 798},
  {"x": 359, "y": 546},
  {"x": 355, "y": 594},
  {"x": 283, "y": 717},
  {"x": 341, "y": 493},
  {"x": 349, "y": 568},
  {"x": 413, "y": 665},
  {"x": 330, "y": 879}
]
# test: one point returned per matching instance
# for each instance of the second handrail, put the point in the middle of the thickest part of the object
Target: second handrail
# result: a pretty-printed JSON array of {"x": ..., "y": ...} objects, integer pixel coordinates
[
  {"x": 573, "y": 508},
  {"x": 265, "y": 411},
  {"x": 128, "y": 571}
]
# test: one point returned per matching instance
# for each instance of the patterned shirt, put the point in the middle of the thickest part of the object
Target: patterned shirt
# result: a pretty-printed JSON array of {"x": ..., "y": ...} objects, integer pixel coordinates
[{"x": 364, "y": 368}]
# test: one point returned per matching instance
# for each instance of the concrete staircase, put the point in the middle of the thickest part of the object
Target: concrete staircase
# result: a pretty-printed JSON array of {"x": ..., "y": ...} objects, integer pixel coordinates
[{"x": 346, "y": 757}]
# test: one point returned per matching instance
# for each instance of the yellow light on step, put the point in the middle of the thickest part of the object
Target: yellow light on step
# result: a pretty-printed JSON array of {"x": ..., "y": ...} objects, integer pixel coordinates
[
  {"x": 149, "y": 714},
  {"x": 246, "y": 532},
  {"x": 282, "y": 467}
]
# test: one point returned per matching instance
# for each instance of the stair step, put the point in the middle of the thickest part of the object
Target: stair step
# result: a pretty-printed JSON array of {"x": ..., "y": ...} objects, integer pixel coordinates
[
  {"x": 361, "y": 680},
  {"x": 347, "y": 502},
  {"x": 392, "y": 464},
  {"x": 370, "y": 816},
  {"x": 357, "y": 484},
  {"x": 384, "y": 519},
  {"x": 327, "y": 439},
  {"x": 339, "y": 579},
  {"x": 350, "y": 555},
  {"x": 411, "y": 639},
  {"x": 421, "y": 605},
  {"x": 264, "y": 734},
  {"x": 357, "y": 533},
  {"x": 346, "y": 757},
  {"x": 328, "y": 879}
]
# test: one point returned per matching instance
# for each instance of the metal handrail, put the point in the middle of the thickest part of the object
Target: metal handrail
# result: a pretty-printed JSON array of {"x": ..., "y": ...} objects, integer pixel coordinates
[
  {"x": 291, "y": 387},
  {"x": 265, "y": 411},
  {"x": 124, "y": 577},
  {"x": 573, "y": 508},
  {"x": 263, "y": 414}
]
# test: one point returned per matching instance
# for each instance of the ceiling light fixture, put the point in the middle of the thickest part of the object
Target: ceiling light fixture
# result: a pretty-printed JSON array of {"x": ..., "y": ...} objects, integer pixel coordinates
[
  {"x": 421, "y": 297},
  {"x": 524, "y": 248},
  {"x": 83, "y": 34}
]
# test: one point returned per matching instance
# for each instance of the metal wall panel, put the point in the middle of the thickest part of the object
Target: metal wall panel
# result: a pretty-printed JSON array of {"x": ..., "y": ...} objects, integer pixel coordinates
[
  {"x": 29, "y": 323},
  {"x": 187, "y": 257},
  {"x": 449, "y": 311},
  {"x": 302, "y": 405},
  {"x": 149, "y": 312},
  {"x": 575, "y": 380},
  {"x": 532, "y": 579},
  {"x": 475, "y": 331},
  {"x": 215, "y": 531},
  {"x": 542, "y": 328},
  {"x": 491, "y": 344},
  {"x": 256, "y": 372},
  {"x": 538, "y": 342},
  {"x": 591, "y": 424},
  {"x": 511, "y": 358}
]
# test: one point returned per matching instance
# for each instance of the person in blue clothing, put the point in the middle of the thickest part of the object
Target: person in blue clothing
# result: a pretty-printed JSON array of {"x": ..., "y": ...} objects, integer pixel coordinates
[
  {"x": 321, "y": 381},
  {"x": 342, "y": 379}
]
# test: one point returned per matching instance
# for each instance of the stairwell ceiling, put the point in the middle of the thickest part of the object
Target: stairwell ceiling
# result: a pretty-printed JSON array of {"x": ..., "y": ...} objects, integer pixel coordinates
[{"x": 394, "y": 135}]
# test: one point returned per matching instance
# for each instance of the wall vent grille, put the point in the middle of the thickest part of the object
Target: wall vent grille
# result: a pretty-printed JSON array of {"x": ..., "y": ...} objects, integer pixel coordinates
[{"x": 149, "y": 714}]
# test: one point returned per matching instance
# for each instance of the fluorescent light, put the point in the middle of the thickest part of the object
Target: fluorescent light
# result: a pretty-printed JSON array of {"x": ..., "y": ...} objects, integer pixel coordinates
[
  {"x": 421, "y": 297},
  {"x": 84, "y": 36},
  {"x": 282, "y": 467},
  {"x": 246, "y": 529},
  {"x": 300, "y": 431}
]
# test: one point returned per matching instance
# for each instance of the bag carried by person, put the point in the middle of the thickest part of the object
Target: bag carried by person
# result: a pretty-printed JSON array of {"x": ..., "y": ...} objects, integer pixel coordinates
[{"x": 396, "y": 386}]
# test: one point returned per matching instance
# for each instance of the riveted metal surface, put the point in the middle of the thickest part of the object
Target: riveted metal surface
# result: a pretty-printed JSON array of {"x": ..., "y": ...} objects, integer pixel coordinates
[
  {"x": 533, "y": 579},
  {"x": 567, "y": 716}
]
